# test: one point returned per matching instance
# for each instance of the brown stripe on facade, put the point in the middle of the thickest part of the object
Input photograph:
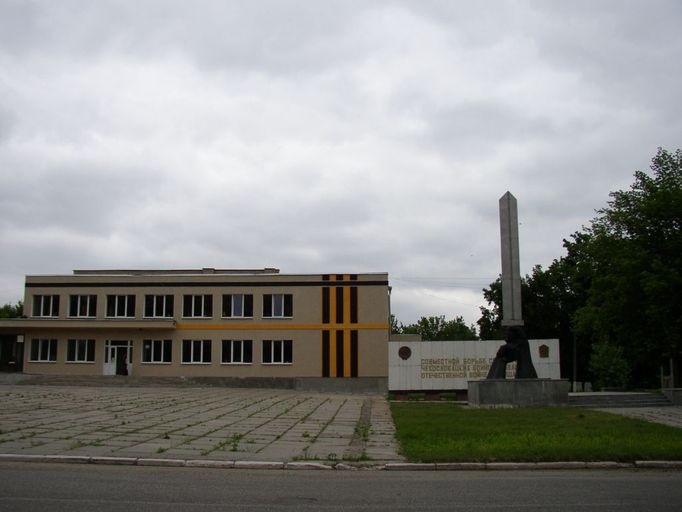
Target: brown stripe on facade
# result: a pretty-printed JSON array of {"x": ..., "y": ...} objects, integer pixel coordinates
[
  {"x": 339, "y": 305},
  {"x": 354, "y": 353},
  {"x": 325, "y": 353},
  {"x": 339, "y": 354},
  {"x": 325, "y": 305},
  {"x": 354, "y": 305}
]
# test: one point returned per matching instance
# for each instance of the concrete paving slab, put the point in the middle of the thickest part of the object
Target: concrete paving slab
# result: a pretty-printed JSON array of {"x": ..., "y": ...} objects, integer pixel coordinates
[
  {"x": 185, "y": 423},
  {"x": 669, "y": 415}
]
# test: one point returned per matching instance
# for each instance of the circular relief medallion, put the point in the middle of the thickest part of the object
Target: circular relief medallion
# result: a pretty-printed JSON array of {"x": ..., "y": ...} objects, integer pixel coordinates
[{"x": 404, "y": 352}]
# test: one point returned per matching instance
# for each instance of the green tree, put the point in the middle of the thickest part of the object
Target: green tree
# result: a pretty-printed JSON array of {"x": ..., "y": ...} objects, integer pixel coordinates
[
  {"x": 632, "y": 253},
  {"x": 618, "y": 284},
  {"x": 10, "y": 310},
  {"x": 437, "y": 328},
  {"x": 608, "y": 366},
  {"x": 395, "y": 328},
  {"x": 489, "y": 325}
]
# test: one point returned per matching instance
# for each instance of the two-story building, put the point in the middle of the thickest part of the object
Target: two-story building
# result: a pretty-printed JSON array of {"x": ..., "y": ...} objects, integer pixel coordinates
[{"x": 204, "y": 323}]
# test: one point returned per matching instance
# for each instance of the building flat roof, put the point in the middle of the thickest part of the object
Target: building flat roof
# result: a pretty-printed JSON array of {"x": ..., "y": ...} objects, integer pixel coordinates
[{"x": 173, "y": 272}]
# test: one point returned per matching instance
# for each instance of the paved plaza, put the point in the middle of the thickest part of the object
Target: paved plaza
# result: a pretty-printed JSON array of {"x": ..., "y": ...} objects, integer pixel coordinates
[
  {"x": 196, "y": 423},
  {"x": 671, "y": 416}
]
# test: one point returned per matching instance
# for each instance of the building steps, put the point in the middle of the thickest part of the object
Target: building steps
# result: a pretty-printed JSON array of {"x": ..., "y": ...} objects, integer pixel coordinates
[
  {"x": 101, "y": 380},
  {"x": 618, "y": 400},
  {"x": 345, "y": 385}
]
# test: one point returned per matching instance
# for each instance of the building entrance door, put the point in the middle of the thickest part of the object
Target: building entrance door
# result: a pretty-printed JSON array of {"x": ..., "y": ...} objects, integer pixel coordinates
[
  {"x": 117, "y": 357},
  {"x": 11, "y": 353}
]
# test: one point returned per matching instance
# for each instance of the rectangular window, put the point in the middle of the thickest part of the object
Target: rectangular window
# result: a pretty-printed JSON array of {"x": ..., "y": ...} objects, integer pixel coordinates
[
  {"x": 157, "y": 351},
  {"x": 197, "y": 306},
  {"x": 196, "y": 351},
  {"x": 278, "y": 352},
  {"x": 278, "y": 305},
  {"x": 46, "y": 305},
  {"x": 83, "y": 306},
  {"x": 80, "y": 351},
  {"x": 121, "y": 306},
  {"x": 237, "y": 352},
  {"x": 237, "y": 305},
  {"x": 158, "y": 306},
  {"x": 44, "y": 351}
]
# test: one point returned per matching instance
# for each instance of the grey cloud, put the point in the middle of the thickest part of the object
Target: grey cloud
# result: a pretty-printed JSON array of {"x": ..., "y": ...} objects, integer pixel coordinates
[
  {"x": 18, "y": 25},
  {"x": 342, "y": 136},
  {"x": 279, "y": 36},
  {"x": 475, "y": 127},
  {"x": 84, "y": 196},
  {"x": 7, "y": 123}
]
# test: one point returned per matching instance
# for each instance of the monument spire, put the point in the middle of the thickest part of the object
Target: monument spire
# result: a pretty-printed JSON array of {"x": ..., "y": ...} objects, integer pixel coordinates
[
  {"x": 516, "y": 346},
  {"x": 511, "y": 273}
]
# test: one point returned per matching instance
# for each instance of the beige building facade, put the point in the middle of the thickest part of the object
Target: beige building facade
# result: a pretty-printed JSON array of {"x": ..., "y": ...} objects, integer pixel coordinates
[{"x": 204, "y": 323}]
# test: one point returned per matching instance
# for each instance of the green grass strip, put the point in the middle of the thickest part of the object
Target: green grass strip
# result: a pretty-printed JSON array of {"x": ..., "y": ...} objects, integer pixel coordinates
[{"x": 442, "y": 432}]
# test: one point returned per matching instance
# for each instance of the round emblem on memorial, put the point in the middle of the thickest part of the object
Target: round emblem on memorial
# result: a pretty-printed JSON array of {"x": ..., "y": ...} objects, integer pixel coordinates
[{"x": 404, "y": 352}]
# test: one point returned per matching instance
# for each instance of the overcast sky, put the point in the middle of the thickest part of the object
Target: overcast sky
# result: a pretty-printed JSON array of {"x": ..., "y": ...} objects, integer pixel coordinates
[{"x": 323, "y": 136}]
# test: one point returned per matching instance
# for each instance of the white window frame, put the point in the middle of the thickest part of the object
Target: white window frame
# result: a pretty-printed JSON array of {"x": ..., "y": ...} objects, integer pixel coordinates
[
  {"x": 232, "y": 305},
  {"x": 193, "y": 356},
  {"x": 162, "y": 351},
  {"x": 89, "y": 305},
  {"x": 201, "y": 296},
  {"x": 273, "y": 344},
  {"x": 273, "y": 301},
  {"x": 41, "y": 342},
  {"x": 51, "y": 308},
  {"x": 117, "y": 313},
  {"x": 231, "y": 346},
  {"x": 155, "y": 298},
  {"x": 81, "y": 343}
]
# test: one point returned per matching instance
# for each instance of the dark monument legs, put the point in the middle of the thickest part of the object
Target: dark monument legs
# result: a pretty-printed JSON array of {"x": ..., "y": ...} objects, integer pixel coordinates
[{"x": 516, "y": 349}]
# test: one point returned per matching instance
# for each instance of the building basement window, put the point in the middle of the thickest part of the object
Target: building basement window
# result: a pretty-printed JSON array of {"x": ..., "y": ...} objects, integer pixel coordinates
[
  {"x": 237, "y": 352},
  {"x": 46, "y": 305},
  {"x": 237, "y": 305},
  {"x": 278, "y": 352},
  {"x": 80, "y": 351},
  {"x": 44, "y": 351},
  {"x": 196, "y": 351},
  {"x": 81, "y": 306},
  {"x": 157, "y": 351},
  {"x": 278, "y": 305}
]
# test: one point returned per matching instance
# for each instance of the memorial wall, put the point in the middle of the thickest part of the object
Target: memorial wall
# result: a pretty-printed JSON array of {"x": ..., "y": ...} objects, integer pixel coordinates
[{"x": 445, "y": 365}]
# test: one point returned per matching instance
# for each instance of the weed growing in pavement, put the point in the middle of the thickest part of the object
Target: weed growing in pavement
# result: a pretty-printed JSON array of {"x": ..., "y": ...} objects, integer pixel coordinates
[
  {"x": 235, "y": 442},
  {"x": 358, "y": 458},
  {"x": 362, "y": 431}
]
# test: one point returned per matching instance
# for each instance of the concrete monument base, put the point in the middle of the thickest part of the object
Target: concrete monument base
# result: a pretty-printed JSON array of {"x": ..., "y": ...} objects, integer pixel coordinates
[{"x": 518, "y": 393}]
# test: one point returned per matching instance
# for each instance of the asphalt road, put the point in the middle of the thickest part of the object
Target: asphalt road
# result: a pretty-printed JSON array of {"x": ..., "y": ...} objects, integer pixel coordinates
[{"x": 73, "y": 488}]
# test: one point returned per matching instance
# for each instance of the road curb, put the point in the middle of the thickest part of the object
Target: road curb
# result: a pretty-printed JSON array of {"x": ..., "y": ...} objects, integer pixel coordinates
[
  {"x": 307, "y": 465},
  {"x": 659, "y": 464},
  {"x": 341, "y": 466},
  {"x": 257, "y": 464},
  {"x": 130, "y": 461}
]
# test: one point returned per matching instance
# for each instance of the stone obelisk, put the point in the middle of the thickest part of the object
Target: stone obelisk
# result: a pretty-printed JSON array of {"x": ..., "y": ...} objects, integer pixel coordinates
[{"x": 511, "y": 268}]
